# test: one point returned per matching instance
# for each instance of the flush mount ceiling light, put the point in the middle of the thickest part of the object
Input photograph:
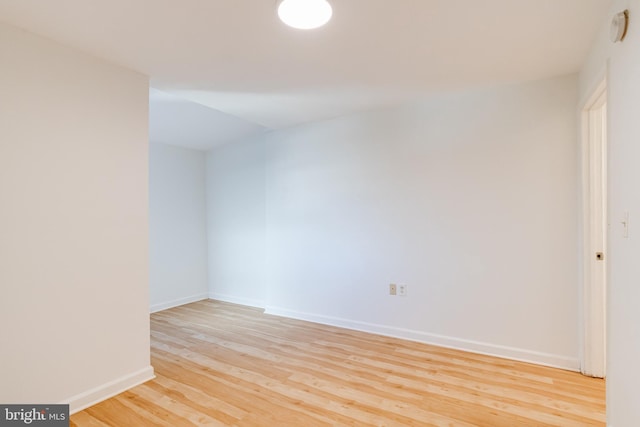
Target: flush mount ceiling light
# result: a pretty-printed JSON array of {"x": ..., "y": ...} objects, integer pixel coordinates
[{"x": 304, "y": 14}]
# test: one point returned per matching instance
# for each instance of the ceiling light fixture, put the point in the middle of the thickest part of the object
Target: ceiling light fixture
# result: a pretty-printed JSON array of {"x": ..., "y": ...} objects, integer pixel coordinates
[{"x": 304, "y": 14}]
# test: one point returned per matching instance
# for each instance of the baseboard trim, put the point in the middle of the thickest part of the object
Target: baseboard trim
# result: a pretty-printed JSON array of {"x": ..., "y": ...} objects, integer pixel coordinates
[
  {"x": 522, "y": 355},
  {"x": 178, "y": 302},
  {"x": 98, "y": 394},
  {"x": 237, "y": 300}
]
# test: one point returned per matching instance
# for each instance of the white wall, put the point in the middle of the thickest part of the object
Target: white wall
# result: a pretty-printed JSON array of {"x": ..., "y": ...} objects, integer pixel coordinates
[
  {"x": 469, "y": 199},
  {"x": 623, "y": 347},
  {"x": 73, "y": 224},
  {"x": 236, "y": 222},
  {"x": 177, "y": 226}
]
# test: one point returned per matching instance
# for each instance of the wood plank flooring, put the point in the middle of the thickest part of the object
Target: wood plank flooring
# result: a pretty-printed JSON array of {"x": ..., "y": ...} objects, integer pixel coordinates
[{"x": 219, "y": 364}]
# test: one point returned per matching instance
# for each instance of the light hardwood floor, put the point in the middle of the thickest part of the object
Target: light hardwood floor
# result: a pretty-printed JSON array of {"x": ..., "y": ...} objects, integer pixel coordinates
[{"x": 219, "y": 364}]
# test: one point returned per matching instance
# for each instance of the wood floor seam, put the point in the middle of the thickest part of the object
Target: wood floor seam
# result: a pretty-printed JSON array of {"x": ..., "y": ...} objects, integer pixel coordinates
[{"x": 221, "y": 364}]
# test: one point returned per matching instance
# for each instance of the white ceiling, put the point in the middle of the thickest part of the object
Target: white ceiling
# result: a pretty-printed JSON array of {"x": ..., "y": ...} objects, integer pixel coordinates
[
  {"x": 176, "y": 121},
  {"x": 252, "y": 72}
]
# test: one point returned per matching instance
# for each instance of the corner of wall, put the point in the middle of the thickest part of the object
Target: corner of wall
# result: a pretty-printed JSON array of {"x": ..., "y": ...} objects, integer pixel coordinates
[{"x": 98, "y": 394}]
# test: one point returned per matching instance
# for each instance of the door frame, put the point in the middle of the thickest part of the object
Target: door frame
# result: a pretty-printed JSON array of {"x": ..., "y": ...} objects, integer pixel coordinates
[{"x": 594, "y": 233}]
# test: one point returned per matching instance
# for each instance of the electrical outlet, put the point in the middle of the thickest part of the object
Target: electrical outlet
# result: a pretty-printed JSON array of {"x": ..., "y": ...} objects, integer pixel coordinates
[
  {"x": 402, "y": 290},
  {"x": 393, "y": 290}
]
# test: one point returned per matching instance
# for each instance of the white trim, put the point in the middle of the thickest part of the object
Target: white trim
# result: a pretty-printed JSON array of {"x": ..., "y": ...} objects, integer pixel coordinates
[
  {"x": 237, "y": 300},
  {"x": 593, "y": 286},
  {"x": 178, "y": 302},
  {"x": 599, "y": 77},
  {"x": 103, "y": 392},
  {"x": 546, "y": 359}
]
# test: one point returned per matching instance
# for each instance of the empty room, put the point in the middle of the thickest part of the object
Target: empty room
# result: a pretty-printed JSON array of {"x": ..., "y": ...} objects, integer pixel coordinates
[{"x": 319, "y": 213}]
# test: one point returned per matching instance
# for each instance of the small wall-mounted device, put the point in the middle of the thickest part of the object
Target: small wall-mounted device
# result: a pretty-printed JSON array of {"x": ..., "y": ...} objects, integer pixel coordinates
[{"x": 619, "y": 25}]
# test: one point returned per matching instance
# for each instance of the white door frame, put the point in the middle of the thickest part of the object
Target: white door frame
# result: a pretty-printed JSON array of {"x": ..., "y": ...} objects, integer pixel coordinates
[{"x": 594, "y": 208}]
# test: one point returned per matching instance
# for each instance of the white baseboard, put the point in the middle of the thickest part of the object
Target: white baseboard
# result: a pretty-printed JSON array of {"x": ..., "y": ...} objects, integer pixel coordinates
[
  {"x": 538, "y": 358},
  {"x": 98, "y": 394},
  {"x": 237, "y": 300},
  {"x": 178, "y": 302}
]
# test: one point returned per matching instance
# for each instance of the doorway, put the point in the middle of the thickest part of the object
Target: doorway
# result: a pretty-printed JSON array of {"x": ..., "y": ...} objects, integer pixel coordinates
[{"x": 594, "y": 179}]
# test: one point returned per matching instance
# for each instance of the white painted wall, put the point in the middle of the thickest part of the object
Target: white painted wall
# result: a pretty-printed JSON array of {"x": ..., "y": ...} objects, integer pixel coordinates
[
  {"x": 236, "y": 222},
  {"x": 177, "y": 226},
  {"x": 73, "y": 224},
  {"x": 470, "y": 199},
  {"x": 623, "y": 347}
]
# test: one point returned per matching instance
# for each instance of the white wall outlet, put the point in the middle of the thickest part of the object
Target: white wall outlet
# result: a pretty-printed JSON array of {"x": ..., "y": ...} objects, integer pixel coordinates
[
  {"x": 393, "y": 290},
  {"x": 402, "y": 290}
]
